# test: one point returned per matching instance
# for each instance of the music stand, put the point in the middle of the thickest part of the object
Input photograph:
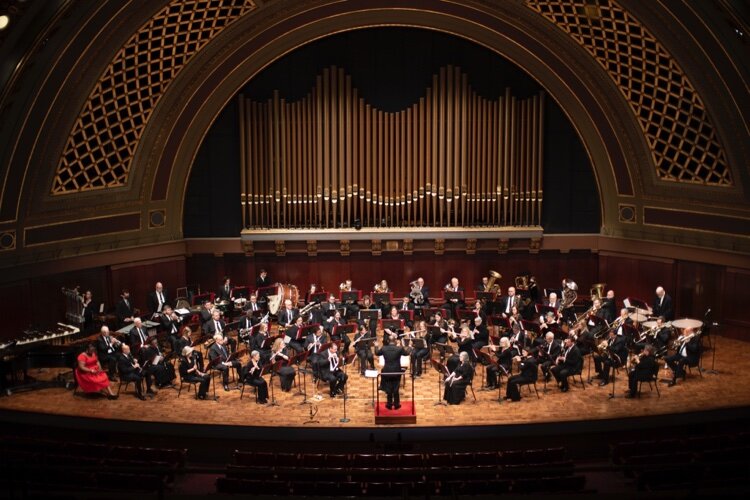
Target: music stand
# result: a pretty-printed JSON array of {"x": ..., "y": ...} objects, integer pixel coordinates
[
  {"x": 371, "y": 314},
  {"x": 352, "y": 296},
  {"x": 212, "y": 366},
  {"x": 392, "y": 324},
  {"x": 486, "y": 296},
  {"x": 341, "y": 330},
  {"x": 465, "y": 314},
  {"x": 240, "y": 292},
  {"x": 407, "y": 315},
  {"x": 273, "y": 368},
  {"x": 487, "y": 358},
  {"x": 347, "y": 360},
  {"x": 446, "y": 313},
  {"x": 382, "y": 298},
  {"x": 442, "y": 370},
  {"x": 543, "y": 310},
  {"x": 235, "y": 355},
  {"x": 319, "y": 297}
]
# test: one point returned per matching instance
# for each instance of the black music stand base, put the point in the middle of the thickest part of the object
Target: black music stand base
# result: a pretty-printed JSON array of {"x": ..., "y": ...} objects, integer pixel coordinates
[{"x": 614, "y": 377}]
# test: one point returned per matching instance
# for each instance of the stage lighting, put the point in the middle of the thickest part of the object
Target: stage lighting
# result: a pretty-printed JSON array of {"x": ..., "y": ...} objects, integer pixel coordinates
[{"x": 4, "y": 21}]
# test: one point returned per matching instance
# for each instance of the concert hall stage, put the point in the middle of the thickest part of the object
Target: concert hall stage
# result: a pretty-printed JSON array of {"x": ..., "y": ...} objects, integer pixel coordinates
[{"x": 728, "y": 389}]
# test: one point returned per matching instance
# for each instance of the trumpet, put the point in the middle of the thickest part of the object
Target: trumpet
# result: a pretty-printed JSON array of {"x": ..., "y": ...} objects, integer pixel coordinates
[{"x": 683, "y": 339}]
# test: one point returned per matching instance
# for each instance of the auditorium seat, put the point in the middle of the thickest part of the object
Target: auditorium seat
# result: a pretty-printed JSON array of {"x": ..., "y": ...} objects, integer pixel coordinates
[
  {"x": 485, "y": 458},
  {"x": 254, "y": 458},
  {"x": 511, "y": 457},
  {"x": 438, "y": 460},
  {"x": 364, "y": 460},
  {"x": 411, "y": 460},
  {"x": 286, "y": 460},
  {"x": 337, "y": 460}
]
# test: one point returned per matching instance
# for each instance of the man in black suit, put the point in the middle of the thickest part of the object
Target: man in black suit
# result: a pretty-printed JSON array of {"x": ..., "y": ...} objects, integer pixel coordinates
[
  {"x": 688, "y": 354},
  {"x": 614, "y": 356},
  {"x": 225, "y": 289},
  {"x": 508, "y": 302},
  {"x": 425, "y": 291},
  {"x": 663, "y": 305},
  {"x": 331, "y": 372},
  {"x": 548, "y": 353},
  {"x": 644, "y": 371},
  {"x": 138, "y": 335},
  {"x": 217, "y": 325},
  {"x": 392, "y": 364},
  {"x": 153, "y": 362},
  {"x": 609, "y": 306},
  {"x": 527, "y": 364},
  {"x": 157, "y": 299},
  {"x": 218, "y": 357},
  {"x": 206, "y": 313},
  {"x": 170, "y": 323},
  {"x": 569, "y": 362},
  {"x": 313, "y": 343},
  {"x": 296, "y": 342},
  {"x": 454, "y": 304},
  {"x": 124, "y": 309},
  {"x": 106, "y": 349},
  {"x": 288, "y": 314},
  {"x": 263, "y": 279},
  {"x": 130, "y": 371}
]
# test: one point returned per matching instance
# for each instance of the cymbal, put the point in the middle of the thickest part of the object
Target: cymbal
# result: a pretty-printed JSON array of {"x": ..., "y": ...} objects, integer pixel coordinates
[
  {"x": 649, "y": 324},
  {"x": 687, "y": 323},
  {"x": 639, "y": 317},
  {"x": 645, "y": 312}
]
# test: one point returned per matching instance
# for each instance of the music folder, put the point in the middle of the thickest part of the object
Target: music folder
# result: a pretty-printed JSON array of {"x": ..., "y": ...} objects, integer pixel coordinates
[
  {"x": 340, "y": 330},
  {"x": 418, "y": 343}
]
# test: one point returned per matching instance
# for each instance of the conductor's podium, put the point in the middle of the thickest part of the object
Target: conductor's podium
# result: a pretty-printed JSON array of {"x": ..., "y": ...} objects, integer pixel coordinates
[{"x": 407, "y": 414}]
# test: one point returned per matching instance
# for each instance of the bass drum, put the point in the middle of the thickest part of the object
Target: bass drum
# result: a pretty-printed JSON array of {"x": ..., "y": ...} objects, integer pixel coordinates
[{"x": 283, "y": 292}]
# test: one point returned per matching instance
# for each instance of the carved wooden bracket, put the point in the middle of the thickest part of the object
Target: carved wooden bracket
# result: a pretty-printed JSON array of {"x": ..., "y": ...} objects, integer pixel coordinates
[
  {"x": 312, "y": 248},
  {"x": 377, "y": 247},
  {"x": 502, "y": 246},
  {"x": 408, "y": 247},
  {"x": 471, "y": 246},
  {"x": 439, "y": 247},
  {"x": 345, "y": 251},
  {"x": 280, "y": 248}
]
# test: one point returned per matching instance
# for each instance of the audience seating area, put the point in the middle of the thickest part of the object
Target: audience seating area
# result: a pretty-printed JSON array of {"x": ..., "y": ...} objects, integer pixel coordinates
[
  {"x": 362, "y": 474},
  {"x": 691, "y": 463},
  {"x": 46, "y": 465}
]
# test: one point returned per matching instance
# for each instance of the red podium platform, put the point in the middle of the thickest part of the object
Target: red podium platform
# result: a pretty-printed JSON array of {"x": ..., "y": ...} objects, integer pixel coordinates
[{"x": 405, "y": 415}]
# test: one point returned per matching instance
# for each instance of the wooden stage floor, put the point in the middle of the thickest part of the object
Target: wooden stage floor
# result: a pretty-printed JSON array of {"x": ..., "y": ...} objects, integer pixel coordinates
[{"x": 730, "y": 388}]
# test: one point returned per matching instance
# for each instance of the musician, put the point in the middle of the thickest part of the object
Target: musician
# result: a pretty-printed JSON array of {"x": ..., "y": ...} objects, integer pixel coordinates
[
  {"x": 518, "y": 339},
  {"x": 280, "y": 352},
  {"x": 442, "y": 337},
  {"x": 420, "y": 350},
  {"x": 157, "y": 299},
  {"x": 89, "y": 309},
  {"x": 331, "y": 306},
  {"x": 313, "y": 343},
  {"x": 331, "y": 372},
  {"x": 152, "y": 360},
  {"x": 191, "y": 370},
  {"x": 688, "y": 354},
  {"x": 549, "y": 323},
  {"x": 218, "y": 356},
  {"x": 424, "y": 290},
  {"x": 391, "y": 381},
  {"x": 253, "y": 377},
  {"x": 89, "y": 374},
  {"x": 207, "y": 313},
  {"x": 663, "y": 305},
  {"x": 255, "y": 308},
  {"x": 263, "y": 279},
  {"x": 224, "y": 292},
  {"x": 245, "y": 327},
  {"x": 352, "y": 307},
  {"x": 184, "y": 340},
  {"x": 505, "y": 354},
  {"x": 258, "y": 343},
  {"x": 482, "y": 286},
  {"x": 406, "y": 304},
  {"x": 508, "y": 302},
  {"x": 643, "y": 371},
  {"x": 293, "y": 335},
  {"x": 130, "y": 371},
  {"x": 138, "y": 335},
  {"x": 479, "y": 311},
  {"x": 569, "y": 362},
  {"x": 458, "y": 380},
  {"x": 362, "y": 347},
  {"x": 170, "y": 323},
  {"x": 609, "y": 307},
  {"x": 613, "y": 357},
  {"x": 217, "y": 325},
  {"x": 623, "y": 319},
  {"x": 480, "y": 333},
  {"x": 528, "y": 374},
  {"x": 287, "y": 315},
  {"x": 552, "y": 301},
  {"x": 334, "y": 320},
  {"x": 661, "y": 337},
  {"x": 312, "y": 290},
  {"x": 124, "y": 309},
  {"x": 106, "y": 348},
  {"x": 548, "y": 353},
  {"x": 453, "y": 305},
  {"x": 331, "y": 325}
]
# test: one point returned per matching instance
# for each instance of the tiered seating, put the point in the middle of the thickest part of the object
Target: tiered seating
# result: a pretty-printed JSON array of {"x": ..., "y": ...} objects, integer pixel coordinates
[
  {"x": 718, "y": 461},
  {"x": 386, "y": 474},
  {"x": 52, "y": 465}
]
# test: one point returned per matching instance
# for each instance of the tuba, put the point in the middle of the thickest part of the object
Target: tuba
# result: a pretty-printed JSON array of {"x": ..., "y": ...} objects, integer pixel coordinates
[
  {"x": 597, "y": 291},
  {"x": 416, "y": 293},
  {"x": 569, "y": 294},
  {"x": 491, "y": 286}
]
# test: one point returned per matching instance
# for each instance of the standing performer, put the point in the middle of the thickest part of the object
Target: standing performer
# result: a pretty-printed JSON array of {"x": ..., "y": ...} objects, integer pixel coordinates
[
  {"x": 663, "y": 305},
  {"x": 157, "y": 299},
  {"x": 392, "y": 365}
]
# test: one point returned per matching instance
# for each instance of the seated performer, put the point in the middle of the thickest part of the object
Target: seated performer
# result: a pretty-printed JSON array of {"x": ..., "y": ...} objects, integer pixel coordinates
[
  {"x": 643, "y": 371},
  {"x": 615, "y": 353},
  {"x": 391, "y": 380},
  {"x": 258, "y": 343},
  {"x": 466, "y": 343},
  {"x": 89, "y": 374},
  {"x": 480, "y": 333},
  {"x": 254, "y": 308},
  {"x": 253, "y": 377},
  {"x": 420, "y": 293},
  {"x": 217, "y": 326},
  {"x": 453, "y": 305},
  {"x": 131, "y": 371},
  {"x": 548, "y": 353},
  {"x": 191, "y": 370},
  {"x": 170, "y": 323},
  {"x": 138, "y": 336},
  {"x": 330, "y": 326},
  {"x": 330, "y": 307},
  {"x": 458, "y": 380},
  {"x": 568, "y": 363},
  {"x": 288, "y": 315},
  {"x": 352, "y": 307},
  {"x": 152, "y": 360},
  {"x": 280, "y": 353},
  {"x": 219, "y": 351},
  {"x": 331, "y": 372},
  {"x": 183, "y": 340},
  {"x": 292, "y": 335},
  {"x": 363, "y": 349},
  {"x": 505, "y": 353},
  {"x": 106, "y": 348},
  {"x": 207, "y": 313},
  {"x": 527, "y": 365},
  {"x": 688, "y": 354}
]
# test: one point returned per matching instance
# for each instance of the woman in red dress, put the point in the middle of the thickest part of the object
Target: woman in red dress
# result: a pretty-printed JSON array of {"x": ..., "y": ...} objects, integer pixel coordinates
[{"x": 89, "y": 373}]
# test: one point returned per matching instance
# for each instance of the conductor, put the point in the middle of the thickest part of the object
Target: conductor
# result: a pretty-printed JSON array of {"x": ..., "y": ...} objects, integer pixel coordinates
[{"x": 392, "y": 364}]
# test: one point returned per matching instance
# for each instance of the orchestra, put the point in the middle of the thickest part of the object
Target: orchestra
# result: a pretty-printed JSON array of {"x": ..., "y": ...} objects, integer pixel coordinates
[{"x": 552, "y": 334}]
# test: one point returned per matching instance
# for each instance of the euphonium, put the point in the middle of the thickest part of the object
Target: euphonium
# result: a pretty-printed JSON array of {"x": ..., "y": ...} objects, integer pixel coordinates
[
  {"x": 416, "y": 293},
  {"x": 597, "y": 291},
  {"x": 522, "y": 282},
  {"x": 491, "y": 286}
]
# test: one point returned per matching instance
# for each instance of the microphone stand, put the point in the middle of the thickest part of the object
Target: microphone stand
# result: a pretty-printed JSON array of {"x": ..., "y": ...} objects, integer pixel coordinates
[
  {"x": 614, "y": 377},
  {"x": 344, "y": 419}
]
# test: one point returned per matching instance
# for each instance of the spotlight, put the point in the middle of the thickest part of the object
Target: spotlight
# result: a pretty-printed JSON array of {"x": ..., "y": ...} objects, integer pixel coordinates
[{"x": 4, "y": 21}]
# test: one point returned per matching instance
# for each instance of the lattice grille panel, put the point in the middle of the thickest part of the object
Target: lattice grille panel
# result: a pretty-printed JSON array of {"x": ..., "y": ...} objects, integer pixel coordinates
[
  {"x": 100, "y": 148},
  {"x": 683, "y": 142}
]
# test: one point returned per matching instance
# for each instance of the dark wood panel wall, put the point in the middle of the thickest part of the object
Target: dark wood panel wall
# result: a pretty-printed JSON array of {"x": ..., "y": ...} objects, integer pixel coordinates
[{"x": 695, "y": 287}]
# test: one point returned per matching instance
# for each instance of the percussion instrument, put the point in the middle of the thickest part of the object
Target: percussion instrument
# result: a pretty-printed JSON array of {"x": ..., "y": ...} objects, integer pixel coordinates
[
  {"x": 687, "y": 323},
  {"x": 283, "y": 292}
]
